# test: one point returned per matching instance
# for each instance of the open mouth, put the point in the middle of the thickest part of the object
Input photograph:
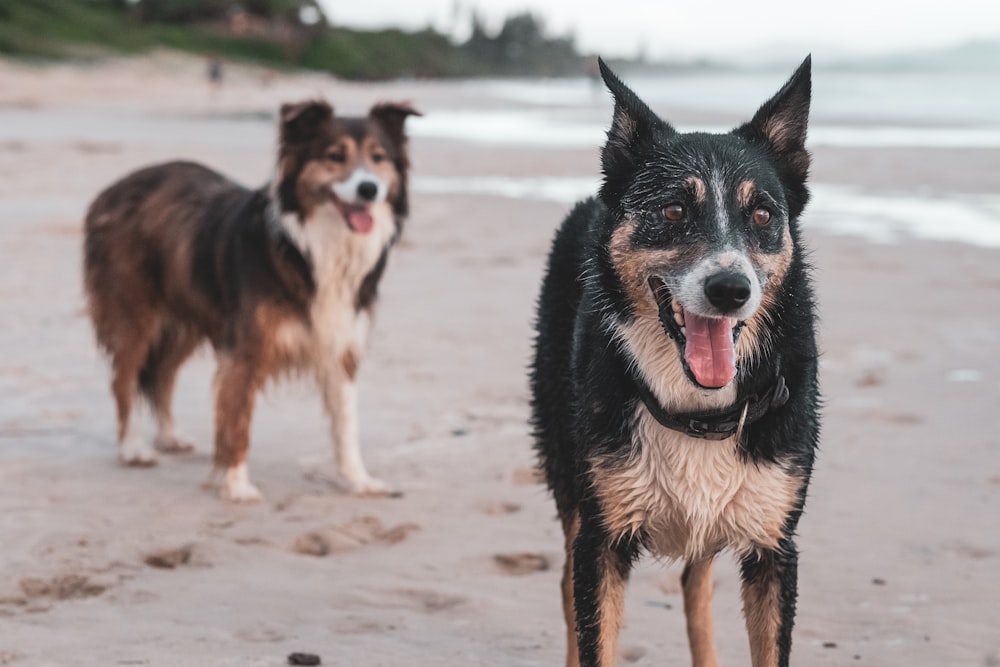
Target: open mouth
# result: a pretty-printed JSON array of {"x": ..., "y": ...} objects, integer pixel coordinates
[
  {"x": 707, "y": 345},
  {"x": 358, "y": 216}
]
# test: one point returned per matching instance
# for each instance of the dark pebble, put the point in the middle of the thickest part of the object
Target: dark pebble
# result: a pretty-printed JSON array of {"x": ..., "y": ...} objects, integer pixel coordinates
[
  {"x": 878, "y": 581},
  {"x": 304, "y": 659},
  {"x": 829, "y": 644}
]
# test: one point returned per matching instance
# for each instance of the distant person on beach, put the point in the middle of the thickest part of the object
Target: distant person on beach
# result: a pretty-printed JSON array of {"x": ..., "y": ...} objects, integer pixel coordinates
[{"x": 215, "y": 72}]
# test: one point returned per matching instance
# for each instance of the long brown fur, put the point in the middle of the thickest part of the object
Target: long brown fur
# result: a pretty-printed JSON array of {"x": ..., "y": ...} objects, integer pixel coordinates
[{"x": 280, "y": 279}]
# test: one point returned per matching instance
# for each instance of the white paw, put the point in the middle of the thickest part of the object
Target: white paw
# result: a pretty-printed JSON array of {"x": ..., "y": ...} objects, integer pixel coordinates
[
  {"x": 135, "y": 453},
  {"x": 366, "y": 485},
  {"x": 240, "y": 492},
  {"x": 236, "y": 486},
  {"x": 172, "y": 445},
  {"x": 358, "y": 484}
]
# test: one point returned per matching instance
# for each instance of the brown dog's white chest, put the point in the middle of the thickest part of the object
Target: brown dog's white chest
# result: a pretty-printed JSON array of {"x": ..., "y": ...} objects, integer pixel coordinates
[
  {"x": 341, "y": 260},
  {"x": 691, "y": 497}
]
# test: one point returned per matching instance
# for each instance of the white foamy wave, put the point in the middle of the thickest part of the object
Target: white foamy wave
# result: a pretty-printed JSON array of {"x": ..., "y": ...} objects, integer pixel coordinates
[
  {"x": 890, "y": 218},
  {"x": 880, "y": 218},
  {"x": 510, "y": 128},
  {"x": 552, "y": 129},
  {"x": 563, "y": 190},
  {"x": 904, "y": 137}
]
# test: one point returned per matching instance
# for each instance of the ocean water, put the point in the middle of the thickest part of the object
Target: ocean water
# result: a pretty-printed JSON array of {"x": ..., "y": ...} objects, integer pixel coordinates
[
  {"x": 922, "y": 103},
  {"x": 562, "y": 129},
  {"x": 851, "y": 106},
  {"x": 905, "y": 105},
  {"x": 833, "y": 209},
  {"x": 882, "y": 96}
]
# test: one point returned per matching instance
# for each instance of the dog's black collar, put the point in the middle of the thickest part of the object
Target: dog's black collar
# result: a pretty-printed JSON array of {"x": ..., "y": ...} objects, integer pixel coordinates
[{"x": 715, "y": 424}]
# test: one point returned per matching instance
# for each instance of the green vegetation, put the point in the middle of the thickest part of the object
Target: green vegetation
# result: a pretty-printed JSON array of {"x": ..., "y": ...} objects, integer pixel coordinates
[
  {"x": 278, "y": 33},
  {"x": 54, "y": 28}
]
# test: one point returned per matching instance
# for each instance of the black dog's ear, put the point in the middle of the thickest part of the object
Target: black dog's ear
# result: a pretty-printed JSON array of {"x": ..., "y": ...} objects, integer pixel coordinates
[
  {"x": 633, "y": 121},
  {"x": 392, "y": 117},
  {"x": 300, "y": 121},
  {"x": 633, "y": 126},
  {"x": 780, "y": 124}
]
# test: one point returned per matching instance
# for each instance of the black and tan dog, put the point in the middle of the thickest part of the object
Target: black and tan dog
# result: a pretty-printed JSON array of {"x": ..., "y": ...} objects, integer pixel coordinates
[
  {"x": 674, "y": 381},
  {"x": 278, "y": 279}
]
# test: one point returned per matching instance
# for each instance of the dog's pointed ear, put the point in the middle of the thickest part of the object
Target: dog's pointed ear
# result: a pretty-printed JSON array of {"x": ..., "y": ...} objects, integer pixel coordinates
[
  {"x": 392, "y": 117},
  {"x": 780, "y": 124},
  {"x": 633, "y": 120},
  {"x": 300, "y": 121},
  {"x": 633, "y": 127}
]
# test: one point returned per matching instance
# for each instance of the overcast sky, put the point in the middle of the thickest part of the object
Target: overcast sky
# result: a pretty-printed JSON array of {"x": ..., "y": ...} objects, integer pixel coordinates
[{"x": 689, "y": 28}]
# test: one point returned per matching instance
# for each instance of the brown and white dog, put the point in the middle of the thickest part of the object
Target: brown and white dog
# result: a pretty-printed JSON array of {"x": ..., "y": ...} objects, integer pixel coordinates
[{"x": 279, "y": 279}]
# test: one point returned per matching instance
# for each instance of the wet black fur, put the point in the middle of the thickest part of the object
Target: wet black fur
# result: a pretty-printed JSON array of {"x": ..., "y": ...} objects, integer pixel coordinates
[{"x": 584, "y": 398}]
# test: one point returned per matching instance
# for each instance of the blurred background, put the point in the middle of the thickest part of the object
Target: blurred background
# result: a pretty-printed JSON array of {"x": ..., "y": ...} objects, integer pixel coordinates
[{"x": 104, "y": 565}]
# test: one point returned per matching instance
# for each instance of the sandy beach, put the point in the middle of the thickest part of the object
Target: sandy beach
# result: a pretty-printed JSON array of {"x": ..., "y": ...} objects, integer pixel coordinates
[{"x": 105, "y": 565}]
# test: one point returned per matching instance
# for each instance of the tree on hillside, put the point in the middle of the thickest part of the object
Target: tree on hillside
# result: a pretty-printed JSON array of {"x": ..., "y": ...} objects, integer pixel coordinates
[{"x": 521, "y": 47}]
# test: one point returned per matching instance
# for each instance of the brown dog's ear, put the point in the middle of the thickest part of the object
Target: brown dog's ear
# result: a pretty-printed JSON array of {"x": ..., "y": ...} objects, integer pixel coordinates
[
  {"x": 300, "y": 121},
  {"x": 392, "y": 117}
]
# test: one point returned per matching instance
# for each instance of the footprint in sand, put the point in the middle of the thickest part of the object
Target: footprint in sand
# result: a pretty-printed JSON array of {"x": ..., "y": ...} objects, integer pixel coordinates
[
  {"x": 431, "y": 600},
  {"x": 168, "y": 559},
  {"x": 261, "y": 635},
  {"x": 496, "y": 508},
  {"x": 633, "y": 653},
  {"x": 62, "y": 587},
  {"x": 37, "y": 594},
  {"x": 351, "y": 535},
  {"x": 517, "y": 564}
]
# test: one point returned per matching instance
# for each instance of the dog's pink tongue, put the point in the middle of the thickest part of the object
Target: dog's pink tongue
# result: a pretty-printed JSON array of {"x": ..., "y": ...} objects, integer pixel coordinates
[
  {"x": 360, "y": 220},
  {"x": 709, "y": 350}
]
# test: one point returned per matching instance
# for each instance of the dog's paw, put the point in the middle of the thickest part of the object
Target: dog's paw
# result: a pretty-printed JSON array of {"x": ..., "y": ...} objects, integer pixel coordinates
[
  {"x": 136, "y": 454},
  {"x": 172, "y": 445},
  {"x": 369, "y": 486},
  {"x": 235, "y": 485},
  {"x": 356, "y": 485},
  {"x": 240, "y": 492}
]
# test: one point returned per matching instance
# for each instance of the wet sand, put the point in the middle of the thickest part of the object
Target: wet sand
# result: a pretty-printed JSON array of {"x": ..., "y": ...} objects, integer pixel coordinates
[{"x": 104, "y": 565}]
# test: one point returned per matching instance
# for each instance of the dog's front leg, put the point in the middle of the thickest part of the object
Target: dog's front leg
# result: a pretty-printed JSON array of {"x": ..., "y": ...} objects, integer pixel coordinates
[
  {"x": 770, "y": 581},
  {"x": 340, "y": 396},
  {"x": 697, "y": 584},
  {"x": 236, "y": 388},
  {"x": 600, "y": 572}
]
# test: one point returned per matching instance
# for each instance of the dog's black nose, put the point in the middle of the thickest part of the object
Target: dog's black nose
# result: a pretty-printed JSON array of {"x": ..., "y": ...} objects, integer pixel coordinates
[
  {"x": 367, "y": 190},
  {"x": 727, "y": 291}
]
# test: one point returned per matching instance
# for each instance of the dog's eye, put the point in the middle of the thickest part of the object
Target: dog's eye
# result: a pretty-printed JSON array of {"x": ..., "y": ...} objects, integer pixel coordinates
[
  {"x": 761, "y": 216},
  {"x": 674, "y": 212},
  {"x": 336, "y": 157},
  {"x": 379, "y": 157}
]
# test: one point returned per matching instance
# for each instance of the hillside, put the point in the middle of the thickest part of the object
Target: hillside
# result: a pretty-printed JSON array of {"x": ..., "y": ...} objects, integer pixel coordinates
[{"x": 273, "y": 32}]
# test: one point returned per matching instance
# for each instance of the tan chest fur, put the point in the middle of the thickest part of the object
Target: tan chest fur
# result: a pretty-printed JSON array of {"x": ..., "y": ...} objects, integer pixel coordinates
[{"x": 691, "y": 497}]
